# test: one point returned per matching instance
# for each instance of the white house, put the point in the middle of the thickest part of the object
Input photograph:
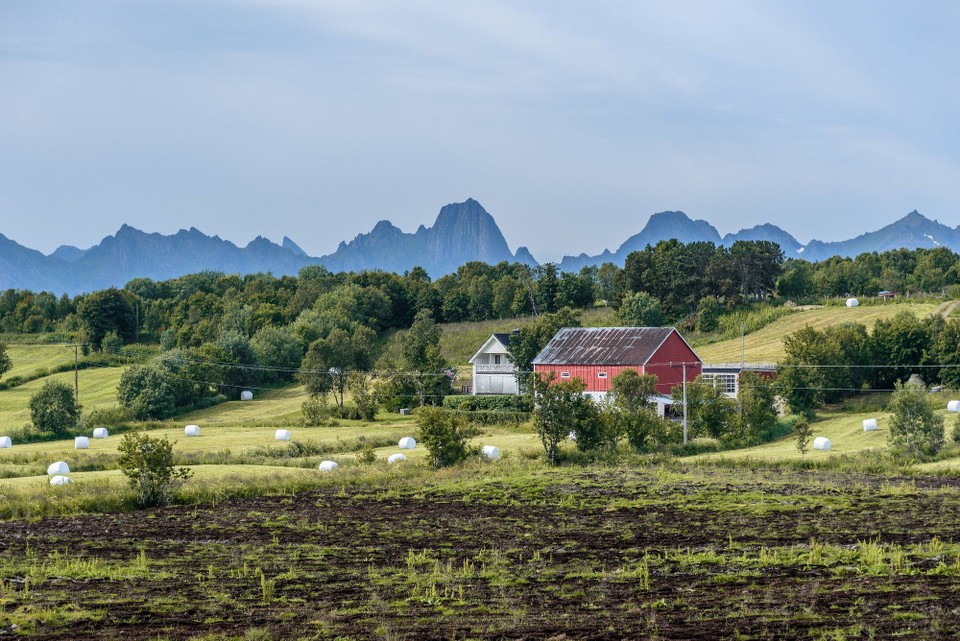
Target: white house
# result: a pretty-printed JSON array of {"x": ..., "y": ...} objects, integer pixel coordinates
[{"x": 493, "y": 373}]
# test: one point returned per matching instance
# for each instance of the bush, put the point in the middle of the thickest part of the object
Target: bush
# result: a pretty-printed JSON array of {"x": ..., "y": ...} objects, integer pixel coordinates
[
  {"x": 315, "y": 411},
  {"x": 914, "y": 427},
  {"x": 54, "y": 408},
  {"x": 148, "y": 463},
  {"x": 445, "y": 436},
  {"x": 502, "y": 403},
  {"x": 106, "y": 417}
]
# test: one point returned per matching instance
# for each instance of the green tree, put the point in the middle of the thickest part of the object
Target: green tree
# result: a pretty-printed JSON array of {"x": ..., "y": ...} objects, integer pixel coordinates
[
  {"x": 329, "y": 362},
  {"x": 757, "y": 401},
  {"x": 708, "y": 314},
  {"x": 416, "y": 371},
  {"x": 445, "y": 435},
  {"x": 148, "y": 392},
  {"x": 107, "y": 310},
  {"x": 148, "y": 464},
  {"x": 529, "y": 342},
  {"x": 802, "y": 433},
  {"x": 5, "y": 363},
  {"x": 641, "y": 310},
  {"x": 54, "y": 408},
  {"x": 632, "y": 410},
  {"x": 278, "y": 351},
  {"x": 561, "y": 409},
  {"x": 915, "y": 428},
  {"x": 709, "y": 412}
]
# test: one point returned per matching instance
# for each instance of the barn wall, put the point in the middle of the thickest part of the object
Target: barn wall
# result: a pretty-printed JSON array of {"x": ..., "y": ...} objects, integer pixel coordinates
[
  {"x": 673, "y": 350},
  {"x": 588, "y": 374}
]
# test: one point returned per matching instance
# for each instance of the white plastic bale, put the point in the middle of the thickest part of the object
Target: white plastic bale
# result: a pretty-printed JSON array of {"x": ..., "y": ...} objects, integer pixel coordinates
[
  {"x": 5, "y": 442},
  {"x": 60, "y": 480},
  {"x": 81, "y": 443},
  {"x": 853, "y": 302},
  {"x": 407, "y": 443},
  {"x": 953, "y": 406},
  {"x": 191, "y": 430},
  {"x": 246, "y": 395},
  {"x": 821, "y": 443},
  {"x": 328, "y": 466},
  {"x": 492, "y": 452},
  {"x": 281, "y": 435},
  {"x": 870, "y": 425},
  {"x": 396, "y": 458},
  {"x": 60, "y": 467},
  {"x": 101, "y": 432}
]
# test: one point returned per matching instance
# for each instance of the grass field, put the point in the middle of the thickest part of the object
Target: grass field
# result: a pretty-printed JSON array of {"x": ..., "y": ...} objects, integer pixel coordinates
[
  {"x": 766, "y": 344},
  {"x": 98, "y": 388},
  {"x": 27, "y": 359}
]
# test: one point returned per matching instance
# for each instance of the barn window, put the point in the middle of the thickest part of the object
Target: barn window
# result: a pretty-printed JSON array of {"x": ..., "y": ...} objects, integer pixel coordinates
[
  {"x": 564, "y": 374},
  {"x": 601, "y": 374}
]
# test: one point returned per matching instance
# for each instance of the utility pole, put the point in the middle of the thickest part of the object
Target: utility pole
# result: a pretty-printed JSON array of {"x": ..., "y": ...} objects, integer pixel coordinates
[
  {"x": 743, "y": 331},
  {"x": 684, "y": 403}
]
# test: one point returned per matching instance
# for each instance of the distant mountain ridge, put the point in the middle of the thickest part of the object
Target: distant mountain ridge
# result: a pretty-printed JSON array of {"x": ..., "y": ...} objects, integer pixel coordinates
[{"x": 462, "y": 232}]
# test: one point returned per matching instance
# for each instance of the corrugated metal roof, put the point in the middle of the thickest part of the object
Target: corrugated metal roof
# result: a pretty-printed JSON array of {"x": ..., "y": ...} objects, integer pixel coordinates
[{"x": 603, "y": 345}]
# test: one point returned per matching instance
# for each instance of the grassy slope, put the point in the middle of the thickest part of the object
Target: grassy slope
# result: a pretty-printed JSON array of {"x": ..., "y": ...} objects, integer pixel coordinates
[
  {"x": 461, "y": 340},
  {"x": 98, "y": 388},
  {"x": 766, "y": 345},
  {"x": 27, "y": 359}
]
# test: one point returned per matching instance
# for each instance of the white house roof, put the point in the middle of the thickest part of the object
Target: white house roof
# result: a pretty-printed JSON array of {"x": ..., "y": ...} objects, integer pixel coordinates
[{"x": 495, "y": 339}]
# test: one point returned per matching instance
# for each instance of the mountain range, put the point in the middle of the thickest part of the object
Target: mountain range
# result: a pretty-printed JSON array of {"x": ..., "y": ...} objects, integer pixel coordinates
[{"x": 462, "y": 232}]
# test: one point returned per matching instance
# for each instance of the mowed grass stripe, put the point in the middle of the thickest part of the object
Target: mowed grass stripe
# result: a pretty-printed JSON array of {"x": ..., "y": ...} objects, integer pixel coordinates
[
  {"x": 766, "y": 345},
  {"x": 27, "y": 359},
  {"x": 98, "y": 388}
]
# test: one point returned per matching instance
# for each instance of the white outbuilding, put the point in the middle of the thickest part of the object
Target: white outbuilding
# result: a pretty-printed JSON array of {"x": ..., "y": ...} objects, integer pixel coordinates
[
  {"x": 407, "y": 443},
  {"x": 396, "y": 458}
]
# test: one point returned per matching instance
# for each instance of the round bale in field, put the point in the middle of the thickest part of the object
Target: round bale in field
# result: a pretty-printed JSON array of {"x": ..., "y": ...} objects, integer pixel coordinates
[
  {"x": 327, "y": 466},
  {"x": 60, "y": 467},
  {"x": 191, "y": 430},
  {"x": 407, "y": 443},
  {"x": 246, "y": 395},
  {"x": 281, "y": 435},
  {"x": 81, "y": 443},
  {"x": 491, "y": 452},
  {"x": 953, "y": 406},
  {"x": 5, "y": 442},
  {"x": 396, "y": 458},
  {"x": 821, "y": 443},
  {"x": 869, "y": 425},
  {"x": 853, "y": 302},
  {"x": 101, "y": 432},
  {"x": 60, "y": 480}
]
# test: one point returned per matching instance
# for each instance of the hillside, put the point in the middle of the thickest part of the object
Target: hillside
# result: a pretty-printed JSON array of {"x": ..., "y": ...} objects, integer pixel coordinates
[{"x": 766, "y": 344}]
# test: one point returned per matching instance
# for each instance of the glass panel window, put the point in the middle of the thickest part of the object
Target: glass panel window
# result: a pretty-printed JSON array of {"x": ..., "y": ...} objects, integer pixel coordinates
[
  {"x": 564, "y": 374},
  {"x": 601, "y": 374}
]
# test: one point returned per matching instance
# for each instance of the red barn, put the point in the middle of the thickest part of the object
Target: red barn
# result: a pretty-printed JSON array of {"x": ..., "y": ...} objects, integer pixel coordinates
[{"x": 597, "y": 354}]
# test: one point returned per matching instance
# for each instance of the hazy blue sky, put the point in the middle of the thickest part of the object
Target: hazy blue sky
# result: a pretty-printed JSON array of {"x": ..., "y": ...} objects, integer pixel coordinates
[{"x": 570, "y": 122}]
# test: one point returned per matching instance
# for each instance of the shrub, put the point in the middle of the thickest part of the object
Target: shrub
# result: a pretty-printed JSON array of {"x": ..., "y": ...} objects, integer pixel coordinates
[
  {"x": 445, "y": 436},
  {"x": 106, "y": 417},
  {"x": 54, "y": 408},
  {"x": 148, "y": 463},
  {"x": 914, "y": 427},
  {"x": 315, "y": 411}
]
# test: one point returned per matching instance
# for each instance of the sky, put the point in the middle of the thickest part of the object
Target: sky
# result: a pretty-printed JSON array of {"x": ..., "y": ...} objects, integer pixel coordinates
[{"x": 570, "y": 122}]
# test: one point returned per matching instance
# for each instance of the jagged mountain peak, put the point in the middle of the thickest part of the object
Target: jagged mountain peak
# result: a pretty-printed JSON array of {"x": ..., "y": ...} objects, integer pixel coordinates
[{"x": 287, "y": 243}]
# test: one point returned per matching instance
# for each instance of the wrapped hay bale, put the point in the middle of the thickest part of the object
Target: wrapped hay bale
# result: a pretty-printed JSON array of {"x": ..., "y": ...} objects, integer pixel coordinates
[
  {"x": 821, "y": 443},
  {"x": 281, "y": 435},
  {"x": 328, "y": 466},
  {"x": 60, "y": 480},
  {"x": 870, "y": 425},
  {"x": 191, "y": 430},
  {"x": 407, "y": 443},
  {"x": 100, "y": 432},
  {"x": 491, "y": 452},
  {"x": 405, "y": 411},
  {"x": 396, "y": 458},
  {"x": 81, "y": 443},
  {"x": 953, "y": 406},
  {"x": 60, "y": 467},
  {"x": 853, "y": 302},
  {"x": 246, "y": 395},
  {"x": 5, "y": 442}
]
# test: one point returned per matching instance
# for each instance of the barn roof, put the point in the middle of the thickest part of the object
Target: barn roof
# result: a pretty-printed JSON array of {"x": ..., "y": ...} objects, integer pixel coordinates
[{"x": 603, "y": 345}]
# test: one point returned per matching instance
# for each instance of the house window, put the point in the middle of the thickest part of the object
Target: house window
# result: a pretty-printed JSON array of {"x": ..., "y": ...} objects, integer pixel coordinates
[
  {"x": 496, "y": 359},
  {"x": 726, "y": 383},
  {"x": 601, "y": 374},
  {"x": 564, "y": 374}
]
